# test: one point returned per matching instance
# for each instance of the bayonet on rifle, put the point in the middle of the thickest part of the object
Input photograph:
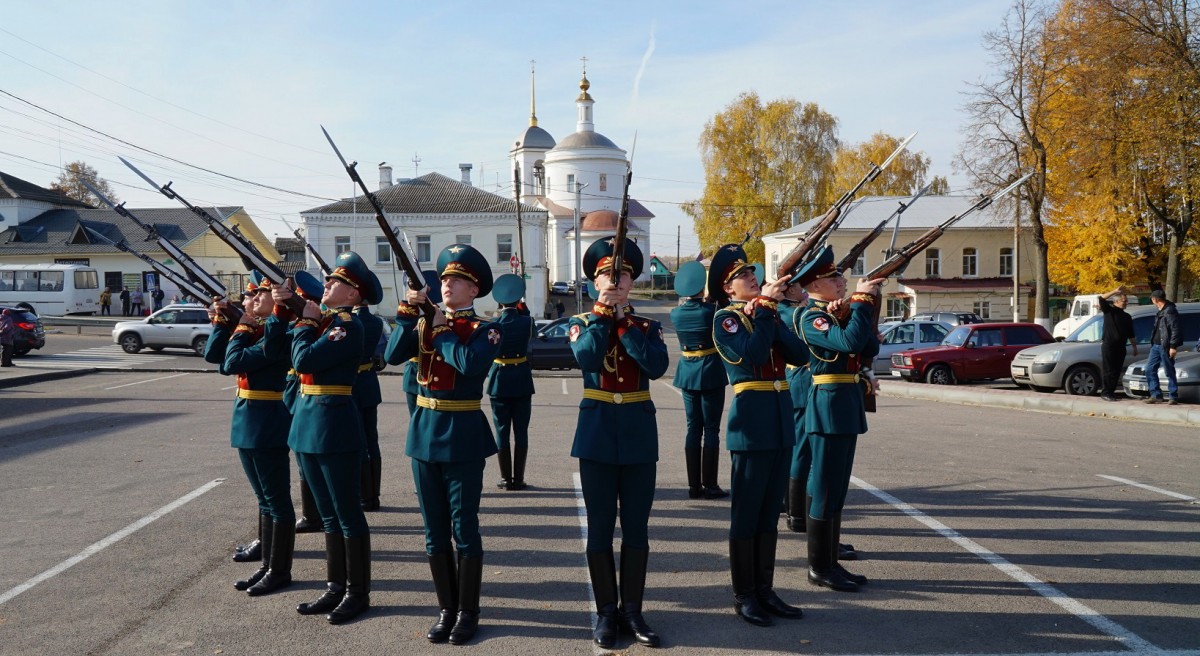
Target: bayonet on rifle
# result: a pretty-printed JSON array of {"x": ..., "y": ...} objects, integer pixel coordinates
[{"x": 858, "y": 249}]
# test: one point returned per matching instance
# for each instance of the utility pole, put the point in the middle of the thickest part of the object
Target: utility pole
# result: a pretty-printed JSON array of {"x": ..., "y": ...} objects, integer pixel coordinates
[
  {"x": 578, "y": 250},
  {"x": 678, "y": 233},
  {"x": 1016, "y": 265},
  {"x": 416, "y": 160}
]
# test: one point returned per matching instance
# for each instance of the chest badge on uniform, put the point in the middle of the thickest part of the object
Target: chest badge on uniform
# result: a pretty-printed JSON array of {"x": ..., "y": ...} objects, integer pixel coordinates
[
  {"x": 493, "y": 336},
  {"x": 574, "y": 333},
  {"x": 729, "y": 324},
  {"x": 821, "y": 324},
  {"x": 337, "y": 334}
]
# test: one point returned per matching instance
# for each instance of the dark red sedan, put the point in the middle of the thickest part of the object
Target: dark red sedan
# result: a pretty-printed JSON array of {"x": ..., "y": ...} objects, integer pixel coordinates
[{"x": 979, "y": 351}]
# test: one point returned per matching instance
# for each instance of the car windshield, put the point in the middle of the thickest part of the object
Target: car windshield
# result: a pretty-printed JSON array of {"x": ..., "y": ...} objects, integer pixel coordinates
[
  {"x": 1091, "y": 330},
  {"x": 957, "y": 337}
]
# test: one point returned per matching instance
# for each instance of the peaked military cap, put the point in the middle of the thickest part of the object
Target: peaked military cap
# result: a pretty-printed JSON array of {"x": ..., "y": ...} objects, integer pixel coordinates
[
  {"x": 821, "y": 266},
  {"x": 727, "y": 263},
  {"x": 598, "y": 258},
  {"x": 509, "y": 289},
  {"x": 352, "y": 270},
  {"x": 690, "y": 279},
  {"x": 760, "y": 272},
  {"x": 465, "y": 262},
  {"x": 308, "y": 287},
  {"x": 258, "y": 283}
]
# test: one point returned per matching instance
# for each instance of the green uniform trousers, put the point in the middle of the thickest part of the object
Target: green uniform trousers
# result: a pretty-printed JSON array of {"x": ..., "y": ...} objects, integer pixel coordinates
[
  {"x": 611, "y": 489},
  {"x": 511, "y": 414},
  {"x": 335, "y": 480},
  {"x": 448, "y": 493},
  {"x": 702, "y": 409},
  {"x": 758, "y": 481},
  {"x": 269, "y": 473},
  {"x": 832, "y": 461}
]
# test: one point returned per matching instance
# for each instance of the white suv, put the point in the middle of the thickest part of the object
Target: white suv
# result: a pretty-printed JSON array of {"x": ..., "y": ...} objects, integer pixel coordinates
[{"x": 175, "y": 326}]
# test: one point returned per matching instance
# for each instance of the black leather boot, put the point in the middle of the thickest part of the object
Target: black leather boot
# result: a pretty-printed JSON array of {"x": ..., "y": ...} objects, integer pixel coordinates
[
  {"x": 711, "y": 459},
  {"x": 633, "y": 587},
  {"x": 764, "y": 578},
  {"x": 358, "y": 581},
  {"x": 252, "y": 551},
  {"x": 366, "y": 487},
  {"x": 264, "y": 538},
  {"x": 335, "y": 577},
  {"x": 857, "y": 579},
  {"x": 844, "y": 551},
  {"x": 504, "y": 458},
  {"x": 445, "y": 583},
  {"x": 603, "y": 572},
  {"x": 281, "y": 546},
  {"x": 470, "y": 578},
  {"x": 376, "y": 482},
  {"x": 821, "y": 559},
  {"x": 797, "y": 508},
  {"x": 520, "y": 454},
  {"x": 310, "y": 519},
  {"x": 741, "y": 567},
  {"x": 691, "y": 457}
]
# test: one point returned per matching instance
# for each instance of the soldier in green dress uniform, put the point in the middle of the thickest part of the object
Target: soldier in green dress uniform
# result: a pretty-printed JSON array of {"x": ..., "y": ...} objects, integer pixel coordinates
[
  {"x": 835, "y": 416},
  {"x": 327, "y": 433},
  {"x": 449, "y": 439},
  {"x": 259, "y": 359},
  {"x": 616, "y": 438},
  {"x": 756, "y": 349},
  {"x": 367, "y": 397},
  {"x": 309, "y": 289},
  {"x": 412, "y": 389},
  {"x": 510, "y": 383},
  {"x": 701, "y": 379},
  {"x": 795, "y": 299}
]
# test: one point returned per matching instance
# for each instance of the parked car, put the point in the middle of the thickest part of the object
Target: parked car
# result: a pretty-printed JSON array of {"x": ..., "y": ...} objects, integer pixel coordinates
[
  {"x": 952, "y": 318},
  {"x": 560, "y": 288},
  {"x": 1083, "y": 307},
  {"x": 549, "y": 347},
  {"x": 1187, "y": 377},
  {"x": 977, "y": 351},
  {"x": 29, "y": 331},
  {"x": 1074, "y": 363},
  {"x": 907, "y": 335},
  {"x": 175, "y": 326}
]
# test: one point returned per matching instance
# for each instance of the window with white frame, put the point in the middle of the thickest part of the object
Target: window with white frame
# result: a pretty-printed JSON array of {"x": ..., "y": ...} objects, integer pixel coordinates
[
  {"x": 970, "y": 262},
  {"x": 983, "y": 309},
  {"x": 424, "y": 249},
  {"x": 383, "y": 251},
  {"x": 775, "y": 261},
  {"x": 341, "y": 245},
  {"x": 571, "y": 182},
  {"x": 933, "y": 263},
  {"x": 504, "y": 249},
  {"x": 860, "y": 265},
  {"x": 1006, "y": 261},
  {"x": 897, "y": 307},
  {"x": 462, "y": 239}
]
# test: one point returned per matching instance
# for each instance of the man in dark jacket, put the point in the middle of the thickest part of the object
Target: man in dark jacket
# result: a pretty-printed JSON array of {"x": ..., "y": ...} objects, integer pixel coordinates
[
  {"x": 1118, "y": 329},
  {"x": 1164, "y": 342},
  {"x": 125, "y": 306}
]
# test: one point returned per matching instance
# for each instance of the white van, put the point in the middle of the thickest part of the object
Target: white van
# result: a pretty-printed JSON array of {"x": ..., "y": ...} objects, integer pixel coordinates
[{"x": 1083, "y": 308}]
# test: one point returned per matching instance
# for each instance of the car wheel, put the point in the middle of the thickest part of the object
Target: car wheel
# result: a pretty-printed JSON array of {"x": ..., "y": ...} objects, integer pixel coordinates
[
  {"x": 939, "y": 374},
  {"x": 199, "y": 343},
  {"x": 19, "y": 352},
  {"x": 131, "y": 343},
  {"x": 1082, "y": 381}
]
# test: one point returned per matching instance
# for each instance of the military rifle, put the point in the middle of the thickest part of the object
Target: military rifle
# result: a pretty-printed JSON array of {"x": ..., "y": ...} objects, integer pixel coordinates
[
  {"x": 520, "y": 232},
  {"x": 412, "y": 272},
  {"x": 325, "y": 269},
  {"x": 186, "y": 286},
  {"x": 618, "y": 257},
  {"x": 900, "y": 259},
  {"x": 819, "y": 234},
  {"x": 858, "y": 249}
]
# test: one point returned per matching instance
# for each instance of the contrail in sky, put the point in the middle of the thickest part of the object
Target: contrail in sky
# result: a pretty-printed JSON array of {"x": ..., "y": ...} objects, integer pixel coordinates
[{"x": 637, "y": 80}]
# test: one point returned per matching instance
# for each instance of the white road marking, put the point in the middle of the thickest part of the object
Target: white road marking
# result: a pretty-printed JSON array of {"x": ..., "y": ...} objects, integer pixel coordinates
[
  {"x": 108, "y": 541},
  {"x": 141, "y": 382},
  {"x": 564, "y": 384},
  {"x": 672, "y": 388},
  {"x": 1051, "y": 593},
  {"x": 226, "y": 389},
  {"x": 583, "y": 532},
  {"x": 1126, "y": 481}
]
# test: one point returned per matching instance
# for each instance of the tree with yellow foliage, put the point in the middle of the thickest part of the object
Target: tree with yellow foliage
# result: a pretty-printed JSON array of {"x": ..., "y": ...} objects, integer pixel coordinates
[{"x": 903, "y": 177}]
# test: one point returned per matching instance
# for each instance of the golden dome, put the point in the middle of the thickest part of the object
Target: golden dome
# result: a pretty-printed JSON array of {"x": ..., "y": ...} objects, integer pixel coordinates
[{"x": 584, "y": 85}]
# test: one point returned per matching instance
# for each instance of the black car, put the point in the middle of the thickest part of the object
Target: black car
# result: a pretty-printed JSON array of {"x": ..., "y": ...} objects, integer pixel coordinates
[
  {"x": 550, "y": 349},
  {"x": 30, "y": 333}
]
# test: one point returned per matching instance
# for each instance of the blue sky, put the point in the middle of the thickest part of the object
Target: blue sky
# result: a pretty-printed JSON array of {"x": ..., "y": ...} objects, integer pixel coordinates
[{"x": 241, "y": 88}]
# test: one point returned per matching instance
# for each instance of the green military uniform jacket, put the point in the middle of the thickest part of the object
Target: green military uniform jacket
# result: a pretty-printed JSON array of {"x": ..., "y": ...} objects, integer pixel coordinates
[
  {"x": 325, "y": 356},
  {"x": 617, "y": 357},
  {"x": 260, "y": 360},
  {"x": 756, "y": 351},
  {"x": 699, "y": 366},
  {"x": 366, "y": 385},
  {"x": 799, "y": 378},
  {"x": 837, "y": 408},
  {"x": 510, "y": 375},
  {"x": 454, "y": 361}
]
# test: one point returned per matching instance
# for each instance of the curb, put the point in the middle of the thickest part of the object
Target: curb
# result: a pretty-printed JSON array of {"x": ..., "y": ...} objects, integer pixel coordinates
[
  {"x": 1060, "y": 404},
  {"x": 17, "y": 381}
]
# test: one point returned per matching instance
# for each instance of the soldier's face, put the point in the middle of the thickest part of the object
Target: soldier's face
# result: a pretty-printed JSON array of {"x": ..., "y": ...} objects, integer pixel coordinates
[
  {"x": 458, "y": 292},
  {"x": 604, "y": 281},
  {"x": 744, "y": 286},
  {"x": 260, "y": 304},
  {"x": 796, "y": 293},
  {"x": 340, "y": 294},
  {"x": 828, "y": 289}
]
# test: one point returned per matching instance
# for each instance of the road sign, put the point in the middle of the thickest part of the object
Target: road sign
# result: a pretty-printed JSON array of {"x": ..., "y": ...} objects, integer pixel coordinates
[{"x": 514, "y": 262}]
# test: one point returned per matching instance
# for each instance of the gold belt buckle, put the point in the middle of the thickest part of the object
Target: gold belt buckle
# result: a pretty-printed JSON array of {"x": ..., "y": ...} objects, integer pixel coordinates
[
  {"x": 617, "y": 398},
  {"x": 777, "y": 385},
  {"x": 433, "y": 404}
]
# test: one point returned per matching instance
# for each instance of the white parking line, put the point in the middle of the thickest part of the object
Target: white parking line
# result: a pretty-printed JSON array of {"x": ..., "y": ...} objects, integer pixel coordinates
[
  {"x": 1051, "y": 593},
  {"x": 226, "y": 389},
  {"x": 583, "y": 533},
  {"x": 1126, "y": 481},
  {"x": 108, "y": 541},
  {"x": 564, "y": 384},
  {"x": 140, "y": 382}
]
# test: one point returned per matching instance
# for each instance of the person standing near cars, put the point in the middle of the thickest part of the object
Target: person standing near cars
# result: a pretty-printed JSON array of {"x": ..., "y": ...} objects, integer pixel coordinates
[
  {"x": 157, "y": 295},
  {"x": 560, "y": 309},
  {"x": 1164, "y": 344},
  {"x": 125, "y": 304},
  {"x": 510, "y": 383},
  {"x": 1118, "y": 329},
  {"x": 135, "y": 302},
  {"x": 105, "y": 303},
  {"x": 8, "y": 331}
]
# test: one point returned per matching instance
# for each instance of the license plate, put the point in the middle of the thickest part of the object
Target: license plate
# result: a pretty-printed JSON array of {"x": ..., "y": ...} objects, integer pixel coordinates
[
  {"x": 1020, "y": 371},
  {"x": 1138, "y": 386}
]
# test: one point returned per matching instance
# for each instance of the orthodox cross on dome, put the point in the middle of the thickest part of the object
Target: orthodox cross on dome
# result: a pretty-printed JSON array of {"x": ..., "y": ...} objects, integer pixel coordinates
[{"x": 584, "y": 85}]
